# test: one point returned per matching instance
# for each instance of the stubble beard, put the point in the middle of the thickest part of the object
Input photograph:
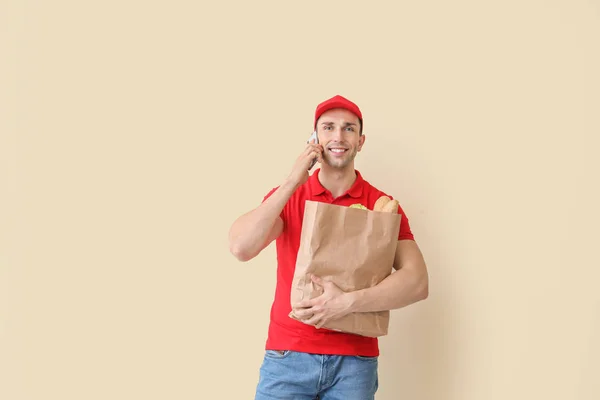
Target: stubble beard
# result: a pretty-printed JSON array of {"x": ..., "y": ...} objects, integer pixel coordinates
[{"x": 341, "y": 163}]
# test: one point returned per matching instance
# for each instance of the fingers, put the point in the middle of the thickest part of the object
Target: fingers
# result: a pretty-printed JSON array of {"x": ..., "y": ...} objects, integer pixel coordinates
[
  {"x": 316, "y": 280},
  {"x": 305, "y": 303},
  {"x": 318, "y": 321},
  {"x": 314, "y": 320},
  {"x": 311, "y": 153},
  {"x": 312, "y": 146},
  {"x": 304, "y": 313},
  {"x": 319, "y": 156},
  {"x": 311, "y": 316},
  {"x": 313, "y": 150}
]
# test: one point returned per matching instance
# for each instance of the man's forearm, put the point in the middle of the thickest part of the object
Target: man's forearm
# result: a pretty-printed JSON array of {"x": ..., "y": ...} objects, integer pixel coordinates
[{"x": 400, "y": 289}]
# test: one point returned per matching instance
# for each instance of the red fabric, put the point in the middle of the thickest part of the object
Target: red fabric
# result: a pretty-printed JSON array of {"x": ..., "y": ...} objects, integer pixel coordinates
[
  {"x": 286, "y": 333},
  {"x": 337, "y": 102}
]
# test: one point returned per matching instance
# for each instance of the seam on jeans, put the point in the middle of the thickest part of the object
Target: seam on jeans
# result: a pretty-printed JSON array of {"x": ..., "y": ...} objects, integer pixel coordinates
[{"x": 320, "y": 381}]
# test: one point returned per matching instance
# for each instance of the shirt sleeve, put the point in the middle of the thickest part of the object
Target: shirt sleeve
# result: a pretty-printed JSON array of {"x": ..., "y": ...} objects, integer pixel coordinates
[
  {"x": 269, "y": 195},
  {"x": 405, "y": 231}
]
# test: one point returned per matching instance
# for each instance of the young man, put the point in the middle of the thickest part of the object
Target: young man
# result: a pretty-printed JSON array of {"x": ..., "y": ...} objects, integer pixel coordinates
[{"x": 303, "y": 361}]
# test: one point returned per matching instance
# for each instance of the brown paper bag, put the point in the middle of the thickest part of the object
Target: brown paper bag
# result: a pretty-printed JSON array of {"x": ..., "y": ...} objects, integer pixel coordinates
[{"x": 355, "y": 248}]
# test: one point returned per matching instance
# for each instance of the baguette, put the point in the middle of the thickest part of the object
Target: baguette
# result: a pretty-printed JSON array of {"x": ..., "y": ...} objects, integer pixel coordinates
[
  {"x": 380, "y": 203},
  {"x": 391, "y": 207}
]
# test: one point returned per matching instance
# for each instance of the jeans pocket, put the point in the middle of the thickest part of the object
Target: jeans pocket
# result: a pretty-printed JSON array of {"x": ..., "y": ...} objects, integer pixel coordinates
[
  {"x": 277, "y": 354},
  {"x": 367, "y": 358}
]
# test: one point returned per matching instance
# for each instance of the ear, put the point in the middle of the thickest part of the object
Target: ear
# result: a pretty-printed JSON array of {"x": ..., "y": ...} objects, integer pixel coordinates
[{"x": 361, "y": 141}]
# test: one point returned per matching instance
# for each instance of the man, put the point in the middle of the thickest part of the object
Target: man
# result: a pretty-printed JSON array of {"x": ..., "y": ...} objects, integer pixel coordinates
[{"x": 301, "y": 360}]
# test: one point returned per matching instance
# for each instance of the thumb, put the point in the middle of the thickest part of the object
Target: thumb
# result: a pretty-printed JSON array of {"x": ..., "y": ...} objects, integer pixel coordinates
[{"x": 316, "y": 279}]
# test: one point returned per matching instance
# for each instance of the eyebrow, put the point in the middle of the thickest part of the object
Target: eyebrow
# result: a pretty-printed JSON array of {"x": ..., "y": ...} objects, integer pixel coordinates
[{"x": 331, "y": 123}]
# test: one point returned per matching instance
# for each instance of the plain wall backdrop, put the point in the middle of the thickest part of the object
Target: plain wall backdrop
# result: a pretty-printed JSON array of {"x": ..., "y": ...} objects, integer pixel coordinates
[{"x": 133, "y": 133}]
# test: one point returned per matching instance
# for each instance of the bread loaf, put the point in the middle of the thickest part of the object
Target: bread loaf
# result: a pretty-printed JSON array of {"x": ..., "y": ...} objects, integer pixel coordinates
[
  {"x": 391, "y": 206},
  {"x": 386, "y": 204},
  {"x": 380, "y": 203}
]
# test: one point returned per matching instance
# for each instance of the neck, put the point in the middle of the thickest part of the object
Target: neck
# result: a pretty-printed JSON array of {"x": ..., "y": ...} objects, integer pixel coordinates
[{"x": 336, "y": 180}]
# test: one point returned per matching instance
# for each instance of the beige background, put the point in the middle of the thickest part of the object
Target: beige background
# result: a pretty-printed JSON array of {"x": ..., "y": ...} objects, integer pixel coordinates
[{"x": 133, "y": 133}]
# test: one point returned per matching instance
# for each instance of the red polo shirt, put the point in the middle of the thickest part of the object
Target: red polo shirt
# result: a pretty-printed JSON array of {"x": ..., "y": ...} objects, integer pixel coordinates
[{"x": 285, "y": 333}]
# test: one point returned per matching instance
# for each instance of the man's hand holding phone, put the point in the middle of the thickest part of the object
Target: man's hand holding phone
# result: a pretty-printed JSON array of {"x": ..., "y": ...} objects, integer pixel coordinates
[{"x": 312, "y": 153}]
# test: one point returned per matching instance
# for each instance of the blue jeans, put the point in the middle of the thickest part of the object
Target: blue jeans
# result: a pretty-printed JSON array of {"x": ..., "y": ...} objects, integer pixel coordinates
[{"x": 292, "y": 375}]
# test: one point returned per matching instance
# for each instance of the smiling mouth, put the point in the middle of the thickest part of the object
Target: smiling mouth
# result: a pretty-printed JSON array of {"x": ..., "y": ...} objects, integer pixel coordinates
[{"x": 338, "y": 150}]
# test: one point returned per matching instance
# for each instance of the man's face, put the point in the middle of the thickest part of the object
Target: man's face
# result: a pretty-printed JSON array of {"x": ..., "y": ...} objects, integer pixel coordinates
[{"x": 338, "y": 132}]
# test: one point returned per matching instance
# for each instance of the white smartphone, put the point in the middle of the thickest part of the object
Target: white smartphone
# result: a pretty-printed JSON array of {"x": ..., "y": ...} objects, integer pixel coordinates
[{"x": 313, "y": 136}]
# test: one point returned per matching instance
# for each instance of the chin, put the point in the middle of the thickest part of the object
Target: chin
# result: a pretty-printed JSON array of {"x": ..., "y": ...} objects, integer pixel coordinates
[{"x": 339, "y": 164}]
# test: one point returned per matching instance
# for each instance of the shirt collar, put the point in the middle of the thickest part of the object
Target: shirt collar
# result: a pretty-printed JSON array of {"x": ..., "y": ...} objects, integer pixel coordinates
[{"x": 355, "y": 190}]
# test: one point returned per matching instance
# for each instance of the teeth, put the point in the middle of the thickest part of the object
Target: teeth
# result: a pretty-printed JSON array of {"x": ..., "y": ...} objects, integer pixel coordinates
[{"x": 338, "y": 150}]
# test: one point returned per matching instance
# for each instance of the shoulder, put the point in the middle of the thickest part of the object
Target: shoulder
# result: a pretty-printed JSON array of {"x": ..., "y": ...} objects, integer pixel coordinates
[
  {"x": 372, "y": 193},
  {"x": 296, "y": 199}
]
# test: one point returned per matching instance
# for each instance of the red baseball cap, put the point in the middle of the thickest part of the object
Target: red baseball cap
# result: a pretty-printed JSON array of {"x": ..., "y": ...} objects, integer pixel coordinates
[{"x": 337, "y": 102}]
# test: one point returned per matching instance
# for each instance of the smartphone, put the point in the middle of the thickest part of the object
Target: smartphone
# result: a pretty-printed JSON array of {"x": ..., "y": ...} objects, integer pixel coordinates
[{"x": 313, "y": 136}]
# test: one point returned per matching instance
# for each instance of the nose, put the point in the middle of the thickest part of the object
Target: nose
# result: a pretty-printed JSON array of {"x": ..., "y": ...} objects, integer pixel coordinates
[{"x": 337, "y": 134}]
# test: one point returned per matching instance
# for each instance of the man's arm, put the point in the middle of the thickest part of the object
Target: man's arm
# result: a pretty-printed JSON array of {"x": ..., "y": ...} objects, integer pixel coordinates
[
  {"x": 254, "y": 230},
  {"x": 407, "y": 285}
]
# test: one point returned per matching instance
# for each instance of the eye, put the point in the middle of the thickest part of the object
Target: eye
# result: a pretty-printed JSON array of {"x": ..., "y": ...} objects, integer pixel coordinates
[{"x": 350, "y": 128}]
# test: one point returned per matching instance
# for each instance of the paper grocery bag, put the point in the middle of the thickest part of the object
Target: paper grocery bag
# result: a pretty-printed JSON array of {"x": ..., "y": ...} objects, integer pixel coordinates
[{"x": 354, "y": 248}]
